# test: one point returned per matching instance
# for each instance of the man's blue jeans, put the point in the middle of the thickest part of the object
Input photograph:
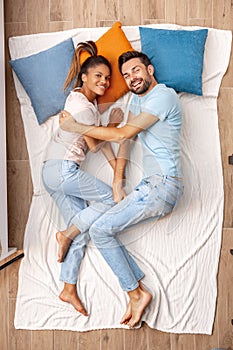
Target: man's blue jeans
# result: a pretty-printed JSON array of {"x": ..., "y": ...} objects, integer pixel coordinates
[
  {"x": 71, "y": 188},
  {"x": 154, "y": 197}
]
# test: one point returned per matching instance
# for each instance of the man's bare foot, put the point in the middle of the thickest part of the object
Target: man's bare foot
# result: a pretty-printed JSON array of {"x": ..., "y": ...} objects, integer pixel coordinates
[
  {"x": 127, "y": 314},
  {"x": 139, "y": 300},
  {"x": 73, "y": 299},
  {"x": 63, "y": 245}
]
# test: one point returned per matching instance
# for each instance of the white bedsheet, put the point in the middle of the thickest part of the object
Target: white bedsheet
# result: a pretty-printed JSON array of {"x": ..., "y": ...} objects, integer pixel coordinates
[{"x": 178, "y": 254}]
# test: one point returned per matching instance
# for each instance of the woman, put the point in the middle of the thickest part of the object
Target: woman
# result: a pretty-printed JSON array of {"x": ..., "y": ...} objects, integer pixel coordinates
[{"x": 68, "y": 185}]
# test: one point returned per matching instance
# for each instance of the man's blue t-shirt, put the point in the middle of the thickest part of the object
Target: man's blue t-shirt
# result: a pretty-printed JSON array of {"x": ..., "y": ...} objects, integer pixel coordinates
[{"x": 161, "y": 141}]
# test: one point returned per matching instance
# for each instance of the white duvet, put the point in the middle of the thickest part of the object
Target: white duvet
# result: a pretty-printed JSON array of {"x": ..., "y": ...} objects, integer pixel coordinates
[{"x": 179, "y": 254}]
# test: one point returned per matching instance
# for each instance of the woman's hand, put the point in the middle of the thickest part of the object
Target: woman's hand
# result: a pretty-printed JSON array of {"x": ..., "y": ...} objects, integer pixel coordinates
[
  {"x": 118, "y": 191},
  {"x": 116, "y": 117}
]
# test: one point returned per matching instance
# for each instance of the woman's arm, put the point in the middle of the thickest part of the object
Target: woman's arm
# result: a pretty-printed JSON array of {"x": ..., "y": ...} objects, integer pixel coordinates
[
  {"x": 94, "y": 145},
  {"x": 119, "y": 173},
  {"x": 109, "y": 154},
  {"x": 105, "y": 147},
  {"x": 132, "y": 128}
]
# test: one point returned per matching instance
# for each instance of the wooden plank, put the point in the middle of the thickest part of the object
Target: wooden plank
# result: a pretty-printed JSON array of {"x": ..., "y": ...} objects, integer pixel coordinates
[
  {"x": 225, "y": 292},
  {"x": 4, "y": 324},
  {"x": 222, "y": 14},
  {"x": 84, "y": 13},
  {"x": 207, "y": 342},
  {"x": 90, "y": 340},
  {"x": 15, "y": 11},
  {"x": 19, "y": 191},
  {"x": 112, "y": 339},
  {"x": 66, "y": 340},
  {"x": 157, "y": 340},
  {"x": 136, "y": 339},
  {"x": 13, "y": 270},
  {"x": 200, "y": 9},
  {"x": 58, "y": 26},
  {"x": 128, "y": 16},
  {"x": 18, "y": 339},
  {"x": 225, "y": 100},
  {"x": 176, "y": 11},
  {"x": 111, "y": 10},
  {"x": 154, "y": 9},
  {"x": 43, "y": 340},
  {"x": 61, "y": 10},
  {"x": 183, "y": 342},
  {"x": 38, "y": 16}
]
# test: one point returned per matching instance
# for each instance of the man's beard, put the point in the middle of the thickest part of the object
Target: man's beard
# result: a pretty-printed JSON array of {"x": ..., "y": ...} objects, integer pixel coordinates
[{"x": 143, "y": 88}]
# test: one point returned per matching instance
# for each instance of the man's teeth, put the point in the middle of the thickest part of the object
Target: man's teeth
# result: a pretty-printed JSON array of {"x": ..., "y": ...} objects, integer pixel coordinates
[{"x": 136, "y": 84}]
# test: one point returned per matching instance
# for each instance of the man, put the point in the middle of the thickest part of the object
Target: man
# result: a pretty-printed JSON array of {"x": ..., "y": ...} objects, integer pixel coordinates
[{"x": 156, "y": 117}]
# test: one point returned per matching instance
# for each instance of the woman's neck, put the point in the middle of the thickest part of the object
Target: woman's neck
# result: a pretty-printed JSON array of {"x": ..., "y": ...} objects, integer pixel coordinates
[{"x": 91, "y": 96}]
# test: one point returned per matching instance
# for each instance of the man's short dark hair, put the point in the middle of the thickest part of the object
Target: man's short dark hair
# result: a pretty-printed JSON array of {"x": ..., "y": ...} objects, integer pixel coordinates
[{"x": 126, "y": 56}]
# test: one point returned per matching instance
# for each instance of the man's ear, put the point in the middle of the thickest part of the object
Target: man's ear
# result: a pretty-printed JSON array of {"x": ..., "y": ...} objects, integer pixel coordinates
[{"x": 150, "y": 69}]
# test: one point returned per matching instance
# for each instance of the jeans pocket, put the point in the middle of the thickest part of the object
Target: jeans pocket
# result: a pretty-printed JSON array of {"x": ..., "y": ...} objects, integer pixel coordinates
[
  {"x": 141, "y": 192},
  {"x": 69, "y": 168}
]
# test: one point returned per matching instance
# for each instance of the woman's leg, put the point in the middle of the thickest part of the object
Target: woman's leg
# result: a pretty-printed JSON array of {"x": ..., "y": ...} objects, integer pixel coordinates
[{"x": 68, "y": 207}]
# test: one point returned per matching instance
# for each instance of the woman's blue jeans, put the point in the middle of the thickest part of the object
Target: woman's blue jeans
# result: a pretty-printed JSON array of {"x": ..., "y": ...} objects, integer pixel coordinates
[{"x": 71, "y": 188}]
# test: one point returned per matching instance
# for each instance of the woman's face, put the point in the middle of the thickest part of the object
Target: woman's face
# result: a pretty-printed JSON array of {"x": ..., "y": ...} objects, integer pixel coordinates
[{"x": 97, "y": 79}]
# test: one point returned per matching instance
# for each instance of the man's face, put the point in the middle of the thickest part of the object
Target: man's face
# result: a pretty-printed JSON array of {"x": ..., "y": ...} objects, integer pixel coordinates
[{"x": 137, "y": 76}]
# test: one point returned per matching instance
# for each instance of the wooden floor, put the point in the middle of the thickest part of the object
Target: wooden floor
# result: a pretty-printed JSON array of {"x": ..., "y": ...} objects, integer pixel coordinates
[{"x": 118, "y": 339}]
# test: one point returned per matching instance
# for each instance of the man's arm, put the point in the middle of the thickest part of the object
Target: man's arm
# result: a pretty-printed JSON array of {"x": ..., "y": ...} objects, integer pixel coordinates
[{"x": 133, "y": 127}]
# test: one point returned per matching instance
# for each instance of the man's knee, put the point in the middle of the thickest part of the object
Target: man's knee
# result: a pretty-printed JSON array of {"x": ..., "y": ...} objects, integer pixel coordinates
[{"x": 99, "y": 234}]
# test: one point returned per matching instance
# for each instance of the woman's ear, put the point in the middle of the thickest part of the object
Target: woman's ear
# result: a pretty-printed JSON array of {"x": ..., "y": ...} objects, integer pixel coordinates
[
  {"x": 84, "y": 78},
  {"x": 150, "y": 69}
]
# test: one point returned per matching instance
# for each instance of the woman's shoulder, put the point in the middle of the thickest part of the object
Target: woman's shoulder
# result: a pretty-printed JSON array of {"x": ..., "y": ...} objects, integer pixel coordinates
[{"x": 76, "y": 97}]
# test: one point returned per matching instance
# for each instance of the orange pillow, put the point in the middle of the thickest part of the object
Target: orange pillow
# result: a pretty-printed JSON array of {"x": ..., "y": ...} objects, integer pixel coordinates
[{"x": 111, "y": 45}]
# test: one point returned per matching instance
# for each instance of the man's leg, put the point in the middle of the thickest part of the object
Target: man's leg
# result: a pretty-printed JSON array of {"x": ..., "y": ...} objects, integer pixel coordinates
[{"x": 148, "y": 199}]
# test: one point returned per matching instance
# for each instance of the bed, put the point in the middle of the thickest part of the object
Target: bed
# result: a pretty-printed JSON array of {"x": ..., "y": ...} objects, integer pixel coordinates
[{"x": 180, "y": 253}]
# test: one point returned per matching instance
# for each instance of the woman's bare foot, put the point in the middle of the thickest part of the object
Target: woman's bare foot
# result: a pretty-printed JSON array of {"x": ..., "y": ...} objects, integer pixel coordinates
[
  {"x": 139, "y": 300},
  {"x": 64, "y": 243},
  {"x": 69, "y": 295}
]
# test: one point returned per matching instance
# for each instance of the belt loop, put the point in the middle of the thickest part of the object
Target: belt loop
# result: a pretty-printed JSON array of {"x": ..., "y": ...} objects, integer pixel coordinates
[{"x": 164, "y": 179}]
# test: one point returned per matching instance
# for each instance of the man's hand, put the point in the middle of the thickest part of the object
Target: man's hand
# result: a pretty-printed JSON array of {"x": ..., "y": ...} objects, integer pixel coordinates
[
  {"x": 66, "y": 121},
  {"x": 118, "y": 191},
  {"x": 64, "y": 116},
  {"x": 116, "y": 117}
]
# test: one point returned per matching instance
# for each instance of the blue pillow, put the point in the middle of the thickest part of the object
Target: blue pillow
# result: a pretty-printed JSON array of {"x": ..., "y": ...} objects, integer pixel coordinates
[
  {"x": 43, "y": 75},
  {"x": 177, "y": 56}
]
